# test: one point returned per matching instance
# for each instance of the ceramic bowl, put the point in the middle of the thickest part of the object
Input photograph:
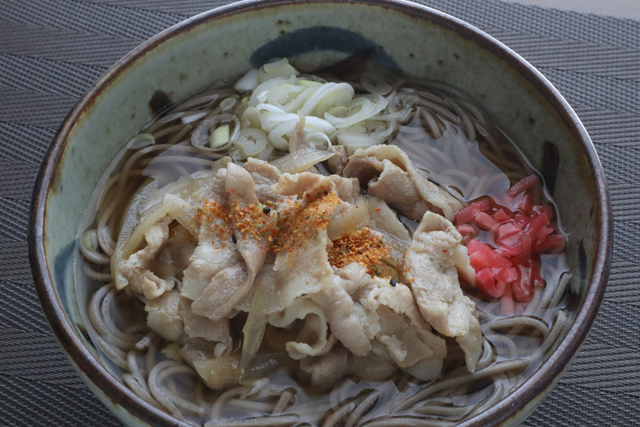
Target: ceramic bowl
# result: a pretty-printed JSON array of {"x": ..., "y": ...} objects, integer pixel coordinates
[{"x": 226, "y": 42}]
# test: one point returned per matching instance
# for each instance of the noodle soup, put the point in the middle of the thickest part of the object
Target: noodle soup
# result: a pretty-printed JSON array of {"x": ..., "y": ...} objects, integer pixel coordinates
[{"x": 300, "y": 142}]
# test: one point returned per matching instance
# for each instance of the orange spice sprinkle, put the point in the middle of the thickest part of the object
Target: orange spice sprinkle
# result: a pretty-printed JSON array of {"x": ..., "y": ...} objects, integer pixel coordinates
[
  {"x": 377, "y": 209},
  {"x": 252, "y": 221},
  {"x": 361, "y": 246},
  {"x": 208, "y": 212},
  {"x": 301, "y": 222}
]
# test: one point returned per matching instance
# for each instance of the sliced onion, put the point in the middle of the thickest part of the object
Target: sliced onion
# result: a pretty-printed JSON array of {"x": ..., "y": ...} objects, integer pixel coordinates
[
  {"x": 201, "y": 101},
  {"x": 270, "y": 108},
  {"x": 339, "y": 111},
  {"x": 132, "y": 231},
  {"x": 318, "y": 139},
  {"x": 300, "y": 161},
  {"x": 251, "y": 142},
  {"x": 280, "y": 68},
  {"x": 284, "y": 96},
  {"x": 309, "y": 83},
  {"x": 247, "y": 82},
  {"x": 362, "y": 108},
  {"x": 363, "y": 136},
  {"x": 268, "y": 121},
  {"x": 276, "y": 135},
  {"x": 140, "y": 141},
  {"x": 326, "y": 97},
  {"x": 259, "y": 94},
  {"x": 316, "y": 123}
]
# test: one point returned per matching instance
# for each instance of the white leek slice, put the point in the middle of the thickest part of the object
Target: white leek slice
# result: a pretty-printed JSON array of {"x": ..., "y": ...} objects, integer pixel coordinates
[
  {"x": 309, "y": 83},
  {"x": 318, "y": 124},
  {"x": 201, "y": 138},
  {"x": 251, "y": 118},
  {"x": 251, "y": 142},
  {"x": 220, "y": 136}
]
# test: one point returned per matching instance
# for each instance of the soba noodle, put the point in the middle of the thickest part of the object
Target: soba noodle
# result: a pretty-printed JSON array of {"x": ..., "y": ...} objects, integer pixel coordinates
[{"x": 466, "y": 154}]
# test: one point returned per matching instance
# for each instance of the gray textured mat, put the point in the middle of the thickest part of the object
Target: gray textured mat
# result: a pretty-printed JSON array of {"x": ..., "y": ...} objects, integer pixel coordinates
[{"x": 52, "y": 50}]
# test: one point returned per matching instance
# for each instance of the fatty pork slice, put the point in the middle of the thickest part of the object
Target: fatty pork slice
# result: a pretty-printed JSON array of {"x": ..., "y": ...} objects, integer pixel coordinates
[
  {"x": 264, "y": 177},
  {"x": 249, "y": 224},
  {"x": 314, "y": 338},
  {"x": 195, "y": 326},
  {"x": 302, "y": 264},
  {"x": 136, "y": 270},
  {"x": 394, "y": 321},
  {"x": 433, "y": 275},
  {"x": 215, "y": 251},
  {"x": 163, "y": 316},
  {"x": 391, "y": 177}
]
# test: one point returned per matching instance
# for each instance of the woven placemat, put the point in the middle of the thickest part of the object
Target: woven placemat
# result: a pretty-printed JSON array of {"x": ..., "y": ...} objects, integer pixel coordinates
[{"x": 52, "y": 50}]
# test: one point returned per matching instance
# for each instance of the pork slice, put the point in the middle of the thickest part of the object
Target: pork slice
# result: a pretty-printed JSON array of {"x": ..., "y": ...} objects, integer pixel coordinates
[
  {"x": 346, "y": 321},
  {"x": 136, "y": 269},
  {"x": 338, "y": 161},
  {"x": 391, "y": 176},
  {"x": 431, "y": 269},
  {"x": 298, "y": 139},
  {"x": 386, "y": 219},
  {"x": 202, "y": 327},
  {"x": 214, "y": 253},
  {"x": 231, "y": 285},
  {"x": 302, "y": 268},
  {"x": 314, "y": 339},
  {"x": 163, "y": 315},
  {"x": 264, "y": 177},
  {"x": 215, "y": 250}
]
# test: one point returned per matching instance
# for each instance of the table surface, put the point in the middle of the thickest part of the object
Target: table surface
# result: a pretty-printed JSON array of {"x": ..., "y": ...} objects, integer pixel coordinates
[
  {"x": 617, "y": 8},
  {"x": 52, "y": 50}
]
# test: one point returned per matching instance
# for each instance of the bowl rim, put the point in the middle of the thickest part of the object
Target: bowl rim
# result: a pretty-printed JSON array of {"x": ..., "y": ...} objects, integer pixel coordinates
[{"x": 119, "y": 395}]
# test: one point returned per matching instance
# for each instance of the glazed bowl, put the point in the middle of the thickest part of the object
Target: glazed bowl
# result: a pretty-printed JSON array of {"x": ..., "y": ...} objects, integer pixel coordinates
[{"x": 225, "y": 42}]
